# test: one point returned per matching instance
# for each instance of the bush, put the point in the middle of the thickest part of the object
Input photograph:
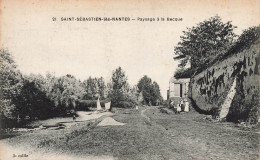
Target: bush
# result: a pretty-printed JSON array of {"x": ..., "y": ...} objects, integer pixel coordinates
[
  {"x": 165, "y": 103},
  {"x": 126, "y": 104},
  {"x": 84, "y": 105},
  {"x": 245, "y": 40},
  {"x": 183, "y": 73}
]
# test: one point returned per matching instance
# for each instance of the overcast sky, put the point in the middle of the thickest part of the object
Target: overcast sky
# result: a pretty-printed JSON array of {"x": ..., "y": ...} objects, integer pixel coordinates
[{"x": 85, "y": 49}]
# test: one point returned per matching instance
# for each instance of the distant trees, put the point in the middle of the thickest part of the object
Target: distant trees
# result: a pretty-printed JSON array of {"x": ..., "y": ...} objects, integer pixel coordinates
[
  {"x": 204, "y": 42},
  {"x": 145, "y": 86},
  {"x": 94, "y": 87},
  {"x": 33, "y": 102},
  {"x": 120, "y": 90},
  {"x": 39, "y": 97},
  {"x": 156, "y": 94},
  {"x": 11, "y": 84},
  {"x": 35, "y": 95},
  {"x": 245, "y": 40},
  {"x": 64, "y": 91},
  {"x": 150, "y": 90},
  {"x": 71, "y": 91}
]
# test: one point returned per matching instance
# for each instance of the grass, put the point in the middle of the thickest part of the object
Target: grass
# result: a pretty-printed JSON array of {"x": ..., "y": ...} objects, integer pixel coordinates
[{"x": 148, "y": 134}]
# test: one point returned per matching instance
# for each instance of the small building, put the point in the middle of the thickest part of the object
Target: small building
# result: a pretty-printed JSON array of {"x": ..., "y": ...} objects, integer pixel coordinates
[{"x": 178, "y": 88}]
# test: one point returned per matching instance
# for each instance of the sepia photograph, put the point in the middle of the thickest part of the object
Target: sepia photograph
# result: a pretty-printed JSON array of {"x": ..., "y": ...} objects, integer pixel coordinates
[{"x": 129, "y": 80}]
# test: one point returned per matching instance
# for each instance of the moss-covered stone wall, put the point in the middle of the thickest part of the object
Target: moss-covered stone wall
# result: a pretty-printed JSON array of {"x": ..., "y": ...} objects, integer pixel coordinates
[{"x": 210, "y": 88}]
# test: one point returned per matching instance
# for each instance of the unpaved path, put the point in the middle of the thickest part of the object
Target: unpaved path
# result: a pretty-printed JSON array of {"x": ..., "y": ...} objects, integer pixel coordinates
[{"x": 143, "y": 115}]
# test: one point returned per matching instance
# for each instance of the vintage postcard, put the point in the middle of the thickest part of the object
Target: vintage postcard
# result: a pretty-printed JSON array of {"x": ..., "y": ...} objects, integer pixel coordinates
[{"x": 129, "y": 79}]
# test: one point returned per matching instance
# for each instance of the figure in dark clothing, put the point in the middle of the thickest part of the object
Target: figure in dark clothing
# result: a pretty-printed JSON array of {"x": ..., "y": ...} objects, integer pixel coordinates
[
  {"x": 170, "y": 102},
  {"x": 74, "y": 117}
]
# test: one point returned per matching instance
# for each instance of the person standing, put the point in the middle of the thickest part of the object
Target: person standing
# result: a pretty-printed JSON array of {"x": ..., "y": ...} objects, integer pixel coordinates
[
  {"x": 182, "y": 105},
  {"x": 178, "y": 107},
  {"x": 74, "y": 117},
  {"x": 171, "y": 104},
  {"x": 175, "y": 108},
  {"x": 186, "y": 106}
]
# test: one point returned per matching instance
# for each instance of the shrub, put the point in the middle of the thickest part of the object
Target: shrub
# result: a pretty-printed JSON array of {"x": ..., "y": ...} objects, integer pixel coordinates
[
  {"x": 245, "y": 40},
  {"x": 183, "y": 73},
  {"x": 249, "y": 37},
  {"x": 85, "y": 105},
  {"x": 126, "y": 104}
]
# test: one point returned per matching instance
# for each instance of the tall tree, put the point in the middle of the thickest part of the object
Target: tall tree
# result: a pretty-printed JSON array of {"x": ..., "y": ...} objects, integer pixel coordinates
[
  {"x": 145, "y": 86},
  {"x": 201, "y": 43},
  {"x": 71, "y": 91},
  {"x": 94, "y": 87},
  {"x": 156, "y": 94},
  {"x": 120, "y": 87},
  {"x": 11, "y": 83},
  {"x": 54, "y": 91},
  {"x": 150, "y": 90},
  {"x": 33, "y": 102},
  {"x": 101, "y": 87}
]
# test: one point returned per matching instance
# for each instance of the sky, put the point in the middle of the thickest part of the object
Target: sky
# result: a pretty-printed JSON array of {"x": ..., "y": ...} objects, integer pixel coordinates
[{"x": 40, "y": 45}]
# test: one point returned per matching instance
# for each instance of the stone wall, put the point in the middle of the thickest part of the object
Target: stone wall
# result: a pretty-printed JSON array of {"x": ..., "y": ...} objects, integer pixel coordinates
[{"x": 212, "y": 92}]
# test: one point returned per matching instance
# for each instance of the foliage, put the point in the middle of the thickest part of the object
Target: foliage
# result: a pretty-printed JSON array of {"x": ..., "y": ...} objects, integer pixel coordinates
[
  {"x": 41, "y": 97},
  {"x": 145, "y": 86},
  {"x": 204, "y": 41},
  {"x": 93, "y": 88},
  {"x": 183, "y": 73},
  {"x": 72, "y": 91},
  {"x": 246, "y": 39},
  {"x": 33, "y": 102},
  {"x": 34, "y": 95},
  {"x": 120, "y": 92},
  {"x": 10, "y": 84},
  {"x": 156, "y": 94},
  {"x": 120, "y": 88},
  {"x": 126, "y": 104},
  {"x": 54, "y": 91},
  {"x": 150, "y": 90},
  {"x": 85, "y": 105}
]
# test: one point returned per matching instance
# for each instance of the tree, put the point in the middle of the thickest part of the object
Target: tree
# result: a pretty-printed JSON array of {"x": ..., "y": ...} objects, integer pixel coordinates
[
  {"x": 183, "y": 73},
  {"x": 33, "y": 102},
  {"x": 54, "y": 88},
  {"x": 11, "y": 83},
  {"x": 145, "y": 86},
  {"x": 150, "y": 90},
  {"x": 156, "y": 94},
  {"x": 94, "y": 87},
  {"x": 89, "y": 88},
  {"x": 101, "y": 87},
  {"x": 71, "y": 91},
  {"x": 203, "y": 42},
  {"x": 64, "y": 92},
  {"x": 119, "y": 87}
]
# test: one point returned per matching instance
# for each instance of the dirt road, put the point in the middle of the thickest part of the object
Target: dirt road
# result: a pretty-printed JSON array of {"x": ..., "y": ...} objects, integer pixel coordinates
[{"x": 147, "y": 134}]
